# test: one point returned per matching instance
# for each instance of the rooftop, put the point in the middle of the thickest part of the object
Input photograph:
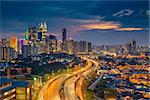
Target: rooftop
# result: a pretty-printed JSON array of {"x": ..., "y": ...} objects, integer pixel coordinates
[{"x": 15, "y": 83}]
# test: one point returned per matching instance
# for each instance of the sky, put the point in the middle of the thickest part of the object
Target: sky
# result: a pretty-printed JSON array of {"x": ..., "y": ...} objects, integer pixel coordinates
[{"x": 99, "y": 21}]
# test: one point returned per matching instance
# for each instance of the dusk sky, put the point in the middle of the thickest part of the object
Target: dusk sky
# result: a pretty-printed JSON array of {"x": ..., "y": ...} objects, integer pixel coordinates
[{"x": 98, "y": 21}]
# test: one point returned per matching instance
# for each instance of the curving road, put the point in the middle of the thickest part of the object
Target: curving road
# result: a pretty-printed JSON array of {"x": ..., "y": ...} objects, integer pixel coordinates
[
  {"x": 70, "y": 83},
  {"x": 69, "y": 88}
]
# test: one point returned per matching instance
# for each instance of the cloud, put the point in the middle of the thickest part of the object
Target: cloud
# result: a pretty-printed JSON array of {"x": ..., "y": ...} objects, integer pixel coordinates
[
  {"x": 102, "y": 25},
  {"x": 93, "y": 25},
  {"x": 125, "y": 12},
  {"x": 129, "y": 29}
]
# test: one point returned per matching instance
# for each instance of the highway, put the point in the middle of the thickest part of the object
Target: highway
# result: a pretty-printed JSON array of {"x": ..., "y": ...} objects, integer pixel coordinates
[
  {"x": 71, "y": 84},
  {"x": 69, "y": 88}
]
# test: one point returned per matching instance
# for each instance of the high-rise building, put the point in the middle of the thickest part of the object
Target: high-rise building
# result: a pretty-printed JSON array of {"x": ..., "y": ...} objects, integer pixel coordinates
[
  {"x": 5, "y": 53},
  {"x": 40, "y": 36},
  {"x": 21, "y": 42},
  {"x": 42, "y": 31},
  {"x": 32, "y": 33},
  {"x": 131, "y": 47},
  {"x": 35, "y": 50},
  {"x": 76, "y": 47},
  {"x": 12, "y": 53},
  {"x": 14, "y": 43},
  {"x": 82, "y": 46},
  {"x": 64, "y": 32},
  {"x": 25, "y": 51},
  {"x": 89, "y": 47},
  {"x": 59, "y": 45},
  {"x": 5, "y": 49},
  {"x": 70, "y": 46},
  {"x": 27, "y": 35},
  {"x": 52, "y": 44},
  {"x": 64, "y": 47}
]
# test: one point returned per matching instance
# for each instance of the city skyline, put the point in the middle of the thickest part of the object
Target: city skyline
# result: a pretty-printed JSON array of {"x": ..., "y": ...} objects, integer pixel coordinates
[
  {"x": 89, "y": 20},
  {"x": 74, "y": 50}
]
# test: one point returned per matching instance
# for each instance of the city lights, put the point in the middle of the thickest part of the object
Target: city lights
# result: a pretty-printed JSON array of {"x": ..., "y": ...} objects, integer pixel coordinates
[{"x": 74, "y": 50}]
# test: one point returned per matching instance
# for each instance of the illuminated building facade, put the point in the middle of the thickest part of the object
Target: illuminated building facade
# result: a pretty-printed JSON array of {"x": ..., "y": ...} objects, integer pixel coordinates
[
  {"x": 64, "y": 47},
  {"x": 14, "y": 90},
  {"x": 64, "y": 44},
  {"x": 25, "y": 51},
  {"x": 21, "y": 42},
  {"x": 32, "y": 34},
  {"x": 70, "y": 46},
  {"x": 12, "y": 53},
  {"x": 27, "y": 35},
  {"x": 76, "y": 47},
  {"x": 42, "y": 31},
  {"x": 5, "y": 53},
  {"x": 52, "y": 44},
  {"x": 40, "y": 36},
  {"x": 4, "y": 48},
  {"x": 14, "y": 43}
]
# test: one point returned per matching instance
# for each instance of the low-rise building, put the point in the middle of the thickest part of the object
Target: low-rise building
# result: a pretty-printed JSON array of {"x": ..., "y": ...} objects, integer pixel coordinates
[{"x": 14, "y": 89}]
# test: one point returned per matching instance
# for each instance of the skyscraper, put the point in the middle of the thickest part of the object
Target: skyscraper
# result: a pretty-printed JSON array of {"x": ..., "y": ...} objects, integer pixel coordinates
[
  {"x": 64, "y": 35},
  {"x": 21, "y": 42},
  {"x": 5, "y": 53},
  {"x": 89, "y": 47},
  {"x": 5, "y": 50},
  {"x": 25, "y": 51},
  {"x": 32, "y": 33},
  {"x": 76, "y": 47},
  {"x": 131, "y": 47},
  {"x": 40, "y": 36},
  {"x": 52, "y": 44},
  {"x": 14, "y": 43},
  {"x": 27, "y": 35},
  {"x": 42, "y": 32},
  {"x": 82, "y": 46},
  {"x": 70, "y": 46}
]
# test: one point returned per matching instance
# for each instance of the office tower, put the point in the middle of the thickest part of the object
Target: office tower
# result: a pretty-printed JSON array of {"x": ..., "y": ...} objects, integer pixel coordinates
[
  {"x": 89, "y": 47},
  {"x": 35, "y": 50},
  {"x": 14, "y": 43},
  {"x": 40, "y": 36},
  {"x": 32, "y": 33},
  {"x": 76, "y": 47},
  {"x": 5, "y": 53},
  {"x": 25, "y": 51},
  {"x": 5, "y": 50},
  {"x": 82, "y": 46},
  {"x": 59, "y": 45},
  {"x": 64, "y": 46},
  {"x": 64, "y": 35},
  {"x": 70, "y": 46},
  {"x": 21, "y": 42},
  {"x": 131, "y": 47},
  {"x": 12, "y": 53},
  {"x": 42, "y": 31},
  {"x": 27, "y": 35},
  {"x": 52, "y": 44}
]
